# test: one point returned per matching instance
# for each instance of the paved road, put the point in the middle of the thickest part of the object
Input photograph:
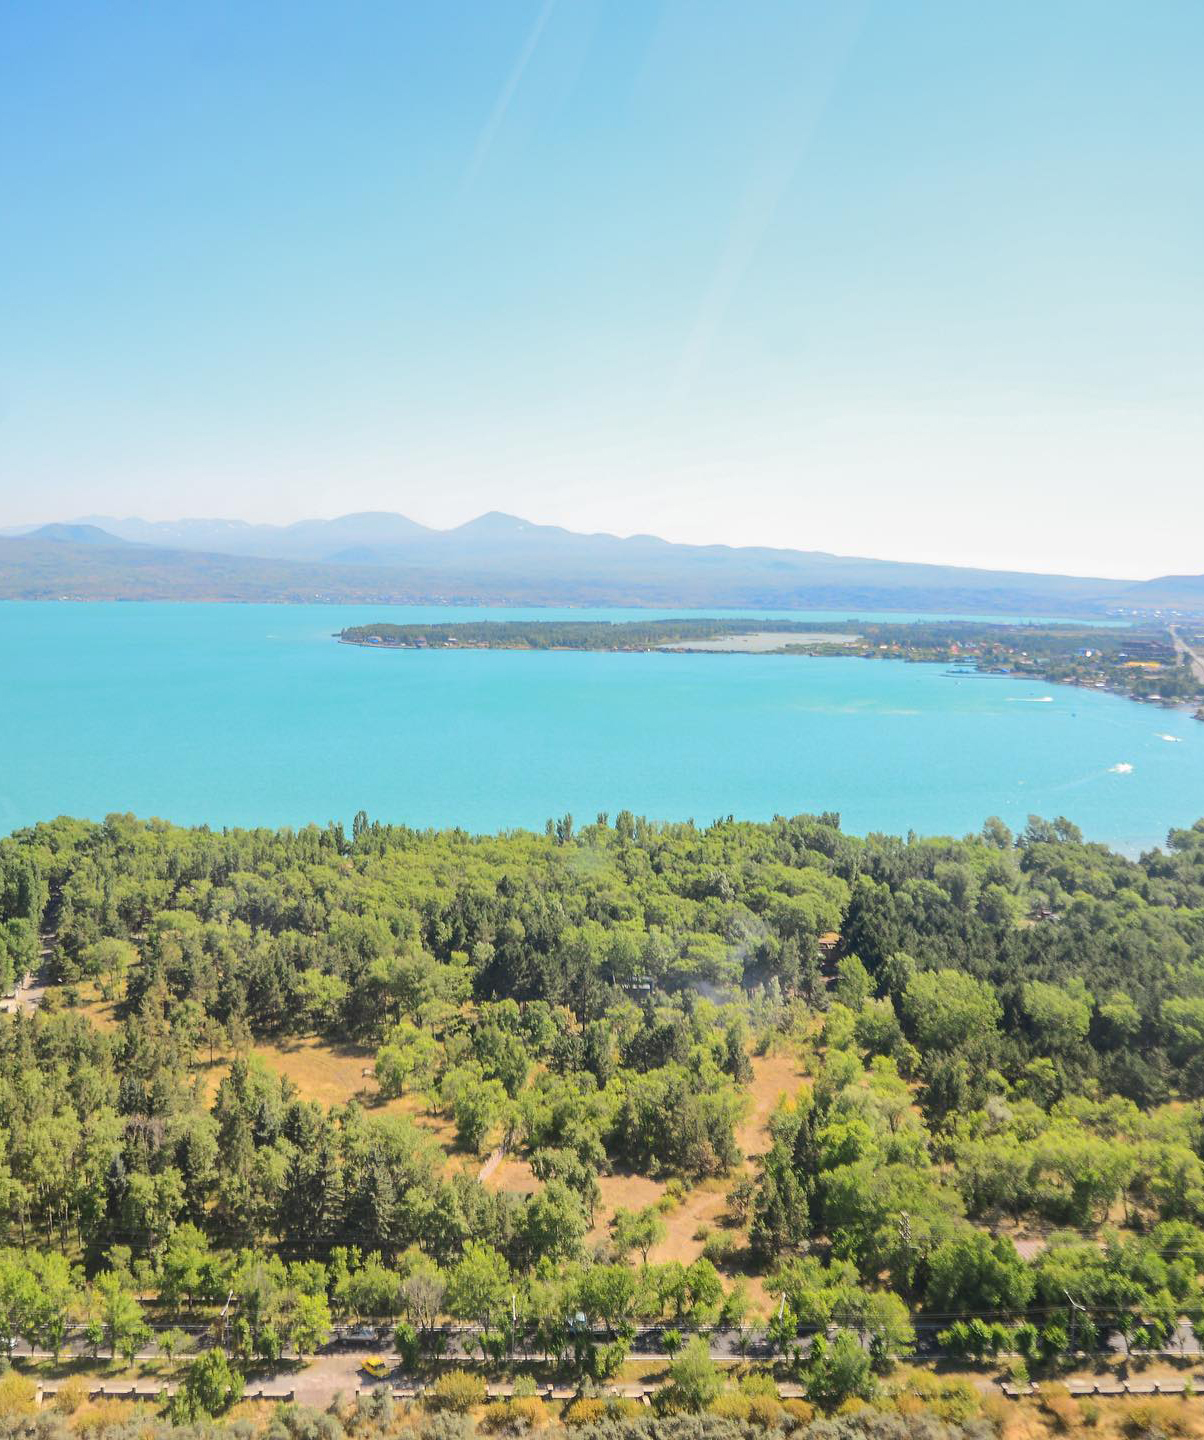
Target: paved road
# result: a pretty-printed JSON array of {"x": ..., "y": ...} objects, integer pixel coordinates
[
  {"x": 30, "y": 992},
  {"x": 1183, "y": 648},
  {"x": 344, "y": 1356}
]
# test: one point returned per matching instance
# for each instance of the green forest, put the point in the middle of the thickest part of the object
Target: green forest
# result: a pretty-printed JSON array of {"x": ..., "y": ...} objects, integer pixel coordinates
[{"x": 993, "y": 1036}]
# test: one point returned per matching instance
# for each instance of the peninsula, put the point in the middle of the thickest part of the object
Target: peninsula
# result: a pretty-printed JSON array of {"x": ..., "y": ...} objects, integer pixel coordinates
[{"x": 1151, "y": 662}]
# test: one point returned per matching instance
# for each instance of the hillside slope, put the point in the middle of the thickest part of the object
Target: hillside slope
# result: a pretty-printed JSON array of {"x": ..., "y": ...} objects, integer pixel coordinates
[{"x": 502, "y": 559}]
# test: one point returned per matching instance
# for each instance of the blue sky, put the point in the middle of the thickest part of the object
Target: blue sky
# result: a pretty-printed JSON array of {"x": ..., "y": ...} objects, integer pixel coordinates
[{"x": 917, "y": 280}]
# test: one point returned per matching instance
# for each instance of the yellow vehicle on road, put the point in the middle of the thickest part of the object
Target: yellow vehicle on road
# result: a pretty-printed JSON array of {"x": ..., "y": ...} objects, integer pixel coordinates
[{"x": 376, "y": 1366}]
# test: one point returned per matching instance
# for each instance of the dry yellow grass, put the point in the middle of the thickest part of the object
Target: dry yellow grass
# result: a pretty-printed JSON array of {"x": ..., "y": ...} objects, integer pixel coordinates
[
  {"x": 335, "y": 1075},
  {"x": 100, "y": 1011},
  {"x": 514, "y": 1175},
  {"x": 18, "y": 1396},
  {"x": 100, "y": 1415},
  {"x": 774, "y": 1076},
  {"x": 329, "y": 1074}
]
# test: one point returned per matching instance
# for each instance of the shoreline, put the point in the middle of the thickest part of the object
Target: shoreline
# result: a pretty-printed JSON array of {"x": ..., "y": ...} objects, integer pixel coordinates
[{"x": 787, "y": 651}]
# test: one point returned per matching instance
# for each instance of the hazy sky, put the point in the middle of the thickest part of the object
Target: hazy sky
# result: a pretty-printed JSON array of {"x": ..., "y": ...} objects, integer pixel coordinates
[{"x": 918, "y": 280}]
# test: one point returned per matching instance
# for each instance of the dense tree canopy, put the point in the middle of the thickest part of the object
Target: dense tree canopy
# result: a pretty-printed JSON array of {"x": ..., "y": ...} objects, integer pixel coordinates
[{"x": 994, "y": 1030}]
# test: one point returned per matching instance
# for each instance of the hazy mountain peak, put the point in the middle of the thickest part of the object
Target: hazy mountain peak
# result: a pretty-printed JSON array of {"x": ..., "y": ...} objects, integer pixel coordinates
[
  {"x": 496, "y": 523},
  {"x": 381, "y": 554},
  {"x": 74, "y": 534},
  {"x": 388, "y": 520}
]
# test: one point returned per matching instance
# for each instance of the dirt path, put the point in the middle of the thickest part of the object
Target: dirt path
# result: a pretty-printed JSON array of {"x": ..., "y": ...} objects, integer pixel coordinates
[
  {"x": 773, "y": 1077},
  {"x": 687, "y": 1225},
  {"x": 491, "y": 1164}
]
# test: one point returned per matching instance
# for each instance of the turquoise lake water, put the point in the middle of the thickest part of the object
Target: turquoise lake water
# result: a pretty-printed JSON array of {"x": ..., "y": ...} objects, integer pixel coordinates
[{"x": 239, "y": 715}]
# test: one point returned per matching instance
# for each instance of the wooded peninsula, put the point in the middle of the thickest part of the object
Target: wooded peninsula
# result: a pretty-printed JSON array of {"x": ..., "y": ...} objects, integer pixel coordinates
[{"x": 1147, "y": 662}]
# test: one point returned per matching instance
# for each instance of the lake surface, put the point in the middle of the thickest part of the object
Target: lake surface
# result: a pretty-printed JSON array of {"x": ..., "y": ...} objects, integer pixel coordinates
[{"x": 243, "y": 715}]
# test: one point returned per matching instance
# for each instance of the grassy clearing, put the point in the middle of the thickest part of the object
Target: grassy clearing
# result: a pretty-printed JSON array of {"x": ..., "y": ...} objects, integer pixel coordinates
[
  {"x": 101, "y": 1012},
  {"x": 337, "y": 1073}
]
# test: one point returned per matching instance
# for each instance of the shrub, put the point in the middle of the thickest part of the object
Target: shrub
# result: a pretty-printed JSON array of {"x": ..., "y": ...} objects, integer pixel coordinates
[
  {"x": 104, "y": 1418},
  {"x": 996, "y": 1413},
  {"x": 1156, "y": 1418},
  {"x": 1001, "y": 1339},
  {"x": 446, "y": 1427},
  {"x": 374, "y": 1410},
  {"x": 172, "y": 1343},
  {"x": 907, "y": 1404},
  {"x": 798, "y": 1413},
  {"x": 757, "y": 1382},
  {"x": 947, "y": 1398},
  {"x": 1091, "y": 1411},
  {"x": 720, "y": 1247},
  {"x": 956, "y": 1401},
  {"x": 1054, "y": 1341},
  {"x": 956, "y": 1339},
  {"x": 305, "y": 1422},
  {"x": 457, "y": 1391},
  {"x": 586, "y": 1411},
  {"x": 589, "y": 1410},
  {"x": 71, "y": 1395},
  {"x": 529, "y": 1411},
  {"x": 731, "y": 1407},
  {"x": 1059, "y": 1406},
  {"x": 515, "y": 1416},
  {"x": 408, "y": 1344},
  {"x": 18, "y": 1395},
  {"x": 765, "y": 1410}
]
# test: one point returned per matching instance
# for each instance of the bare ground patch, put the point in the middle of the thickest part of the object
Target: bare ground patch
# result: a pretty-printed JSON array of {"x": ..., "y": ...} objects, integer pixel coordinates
[
  {"x": 513, "y": 1174},
  {"x": 774, "y": 1077}
]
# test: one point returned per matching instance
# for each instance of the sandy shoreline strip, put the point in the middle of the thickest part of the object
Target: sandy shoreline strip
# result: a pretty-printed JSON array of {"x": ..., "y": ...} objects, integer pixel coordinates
[{"x": 761, "y": 641}]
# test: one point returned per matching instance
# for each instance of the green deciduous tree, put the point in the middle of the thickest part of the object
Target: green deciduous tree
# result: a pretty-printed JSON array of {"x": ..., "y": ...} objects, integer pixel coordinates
[
  {"x": 478, "y": 1286},
  {"x": 837, "y": 1370},
  {"x": 210, "y": 1387}
]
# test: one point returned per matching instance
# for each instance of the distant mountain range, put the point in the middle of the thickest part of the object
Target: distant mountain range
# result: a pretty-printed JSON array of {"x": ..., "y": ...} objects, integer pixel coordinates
[{"x": 501, "y": 559}]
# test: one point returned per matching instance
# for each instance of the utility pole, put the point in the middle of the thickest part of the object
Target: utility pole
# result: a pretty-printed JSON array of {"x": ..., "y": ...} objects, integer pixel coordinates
[
  {"x": 905, "y": 1241},
  {"x": 1075, "y": 1307}
]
